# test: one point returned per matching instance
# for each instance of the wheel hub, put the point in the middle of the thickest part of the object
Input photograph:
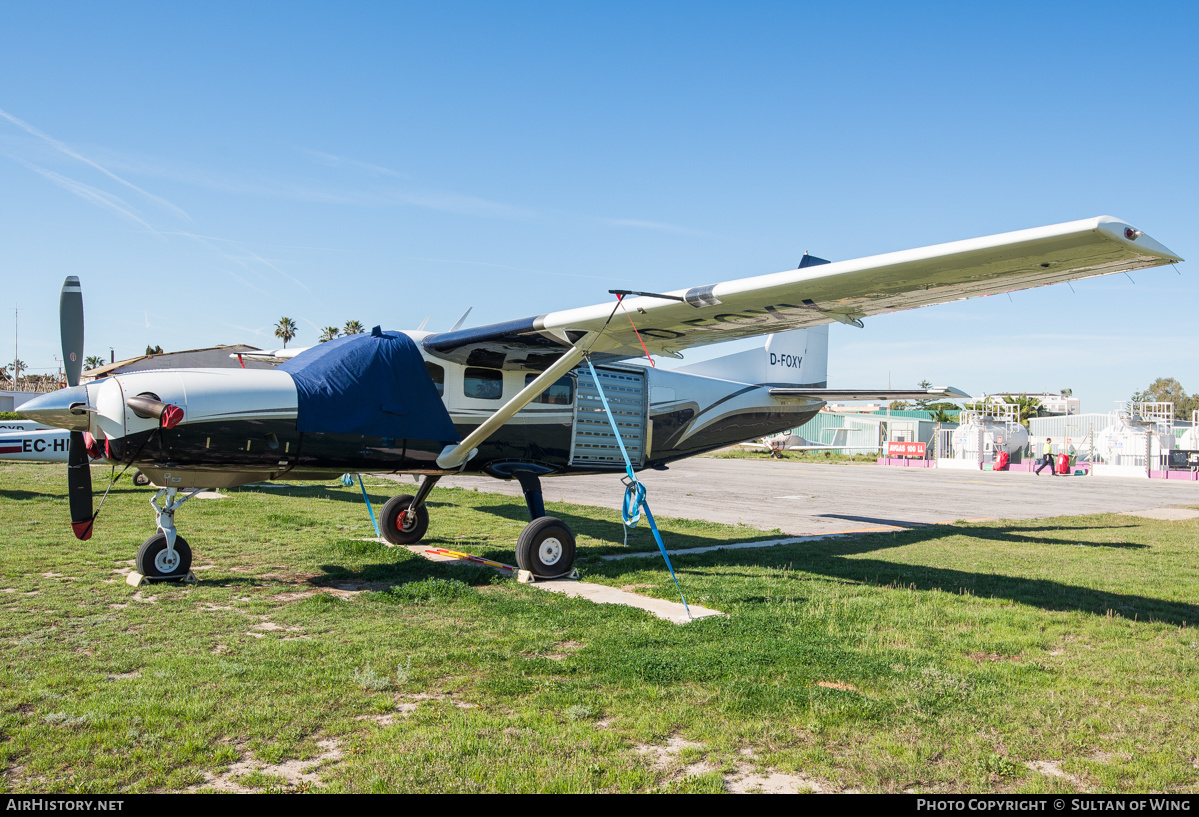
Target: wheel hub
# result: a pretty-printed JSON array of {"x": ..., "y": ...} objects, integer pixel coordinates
[
  {"x": 166, "y": 561},
  {"x": 550, "y": 550},
  {"x": 407, "y": 520}
]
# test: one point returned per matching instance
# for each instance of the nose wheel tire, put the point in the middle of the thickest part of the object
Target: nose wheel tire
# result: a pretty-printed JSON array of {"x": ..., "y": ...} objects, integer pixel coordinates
[
  {"x": 155, "y": 562},
  {"x": 406, "y": 531},
  {"x": 546, "y": 548}
]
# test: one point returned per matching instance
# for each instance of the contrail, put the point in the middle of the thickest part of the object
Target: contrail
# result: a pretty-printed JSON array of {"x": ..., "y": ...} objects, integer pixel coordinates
[
  {"x": 94, "y": 195},
  {"x": 208, "y": 241},
  {"x": 57, "y": 145}
]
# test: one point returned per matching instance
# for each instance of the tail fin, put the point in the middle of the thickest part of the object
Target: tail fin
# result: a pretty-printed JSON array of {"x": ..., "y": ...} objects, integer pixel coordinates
[{"x": 796, "y": 358}]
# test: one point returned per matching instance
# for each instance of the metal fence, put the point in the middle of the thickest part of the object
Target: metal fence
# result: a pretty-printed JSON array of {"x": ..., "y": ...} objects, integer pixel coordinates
[{"x": 866, "y": 433}]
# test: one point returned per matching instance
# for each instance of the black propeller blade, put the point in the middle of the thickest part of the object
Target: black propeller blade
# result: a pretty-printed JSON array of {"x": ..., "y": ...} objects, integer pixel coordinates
[
  {"x": 79, "y": 470},
  {"x": 79, "y": 486},
  {"x": 70, "y": 325}
]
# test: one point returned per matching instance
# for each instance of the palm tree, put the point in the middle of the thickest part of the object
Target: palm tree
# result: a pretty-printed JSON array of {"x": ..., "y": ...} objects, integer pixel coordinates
[
  {"x": 328, "y": 333},
  {"x": 93, "y": 362},
  {"x": 353, "y": 328},
  {"x": 286, "y": 330},
  {"x": 922, "y": 405},
  {"x": 15, "y": 368},
  {"x": 1028, "y": 407},
  {"x": 940, "y": 415}
]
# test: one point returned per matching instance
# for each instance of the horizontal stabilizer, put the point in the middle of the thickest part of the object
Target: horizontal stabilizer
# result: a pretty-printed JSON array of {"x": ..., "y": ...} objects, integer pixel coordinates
[{"x": 944, "y": 392}]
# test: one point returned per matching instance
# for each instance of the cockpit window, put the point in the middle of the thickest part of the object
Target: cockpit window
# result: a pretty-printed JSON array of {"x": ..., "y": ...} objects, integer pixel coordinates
[
  {"x": 483, "y": 384},
  {"x": 559, "y": 394},
  {"x": 437, "y": 374}
]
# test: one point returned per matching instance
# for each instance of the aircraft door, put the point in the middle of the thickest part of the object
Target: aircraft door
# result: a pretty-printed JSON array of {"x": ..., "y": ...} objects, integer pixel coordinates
[{"x": 592, "y": 443}]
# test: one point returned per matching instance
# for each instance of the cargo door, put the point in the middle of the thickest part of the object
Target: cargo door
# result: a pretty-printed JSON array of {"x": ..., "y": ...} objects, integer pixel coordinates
[{"x": 592, "y": 444}]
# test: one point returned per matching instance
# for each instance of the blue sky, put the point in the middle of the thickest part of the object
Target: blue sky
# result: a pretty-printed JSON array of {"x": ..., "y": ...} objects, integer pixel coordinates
[{"x": 208, "y": 169}]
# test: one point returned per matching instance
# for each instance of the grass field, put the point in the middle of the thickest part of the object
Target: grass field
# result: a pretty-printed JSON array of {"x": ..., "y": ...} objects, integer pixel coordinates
[
  {"x": 823, "y": 457},
  {"x": 1046, "y": 656}
]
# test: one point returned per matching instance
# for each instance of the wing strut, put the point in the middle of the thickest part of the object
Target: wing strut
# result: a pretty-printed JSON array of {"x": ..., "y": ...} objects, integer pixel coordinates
[{"x": 454, "y": 456}]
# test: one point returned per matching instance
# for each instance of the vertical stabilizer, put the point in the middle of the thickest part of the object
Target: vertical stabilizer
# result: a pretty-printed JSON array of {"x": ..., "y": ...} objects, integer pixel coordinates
[{"x": 796, "y": 358}]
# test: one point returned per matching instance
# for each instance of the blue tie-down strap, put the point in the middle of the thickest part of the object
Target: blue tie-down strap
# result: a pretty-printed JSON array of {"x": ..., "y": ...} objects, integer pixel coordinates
[
  {"x": 348, "y": 481},
  {"x": 634, "y": 495}
]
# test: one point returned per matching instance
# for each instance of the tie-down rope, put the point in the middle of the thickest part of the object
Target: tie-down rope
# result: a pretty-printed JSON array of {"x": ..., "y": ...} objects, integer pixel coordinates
[{"x": 634, "y": 494}]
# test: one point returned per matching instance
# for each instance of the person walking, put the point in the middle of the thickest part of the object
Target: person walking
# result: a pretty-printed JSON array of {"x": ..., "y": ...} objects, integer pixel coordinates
[{"x": 1047, "y": 459}]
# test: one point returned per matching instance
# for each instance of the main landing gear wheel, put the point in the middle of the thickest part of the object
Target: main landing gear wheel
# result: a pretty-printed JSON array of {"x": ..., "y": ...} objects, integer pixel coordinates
[
  {"x": 411, "y": 528},
  {"x": 140, "y": 479},
  {"x": 546, "y": 548},
  {"x": 155, "y": 562}
]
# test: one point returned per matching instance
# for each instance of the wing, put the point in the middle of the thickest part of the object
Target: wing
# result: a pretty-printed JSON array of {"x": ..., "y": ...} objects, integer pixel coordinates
[
  {"x": 844, "y": 291},
  {"x": 269, "y": 355}
]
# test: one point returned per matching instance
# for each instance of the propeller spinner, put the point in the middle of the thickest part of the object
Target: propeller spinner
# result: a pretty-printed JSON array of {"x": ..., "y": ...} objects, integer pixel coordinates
[{"x": 79, "y": 470}]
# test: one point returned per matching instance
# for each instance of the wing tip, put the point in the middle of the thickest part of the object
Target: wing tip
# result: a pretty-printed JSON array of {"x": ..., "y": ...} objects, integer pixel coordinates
[{"x": 1125, "y": 233}]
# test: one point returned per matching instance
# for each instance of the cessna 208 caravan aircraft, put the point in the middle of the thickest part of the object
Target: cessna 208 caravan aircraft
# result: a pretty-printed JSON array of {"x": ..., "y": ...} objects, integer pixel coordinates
[{"x": 511, "y": 400}]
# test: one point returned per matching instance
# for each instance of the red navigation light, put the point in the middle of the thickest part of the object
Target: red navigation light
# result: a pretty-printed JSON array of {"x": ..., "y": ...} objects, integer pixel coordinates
[{"x": 1131, "y": 234}]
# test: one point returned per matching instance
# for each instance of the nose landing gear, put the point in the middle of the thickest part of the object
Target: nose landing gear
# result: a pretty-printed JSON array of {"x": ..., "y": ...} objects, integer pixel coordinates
[
  {"x": 165, "y": 556},
  {"x": 156, "y": 561}
]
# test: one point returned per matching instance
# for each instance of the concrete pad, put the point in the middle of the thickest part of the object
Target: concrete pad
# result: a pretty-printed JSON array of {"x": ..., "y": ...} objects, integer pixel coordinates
[
  {"x": 1169, "y": 514},
  {"x": 210, "y": 495},
  {"x": 602, "y": 594},
  {"x": 419, "y": 550}
]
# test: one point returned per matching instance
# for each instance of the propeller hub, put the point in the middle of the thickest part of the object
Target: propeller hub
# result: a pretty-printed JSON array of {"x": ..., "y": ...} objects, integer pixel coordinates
[{"x": 65, "y": 408}]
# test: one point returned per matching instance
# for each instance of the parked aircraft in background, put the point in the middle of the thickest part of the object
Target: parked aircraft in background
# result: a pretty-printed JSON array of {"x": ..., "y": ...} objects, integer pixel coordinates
[
  {"x": 511, "y": 399},
  {"x": 27, "y": 440},
  {"x": 776, "y": 444}
]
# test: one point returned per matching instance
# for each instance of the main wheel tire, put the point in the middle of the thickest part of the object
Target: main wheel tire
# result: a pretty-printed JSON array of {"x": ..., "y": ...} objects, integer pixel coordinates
[
  {"x": 154, "y": 562},
  {"x": 546, "y": 547},
  {"x": 140, "y": 479},
  {"x": 412, "y": 529}
]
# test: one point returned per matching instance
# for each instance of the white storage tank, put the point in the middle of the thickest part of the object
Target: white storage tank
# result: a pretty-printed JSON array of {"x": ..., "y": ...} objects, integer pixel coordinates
[
  {"x": 995, "y": 433},
  {"x": 1125, "y": 441},
  {"x": 1189, "y": 441}
]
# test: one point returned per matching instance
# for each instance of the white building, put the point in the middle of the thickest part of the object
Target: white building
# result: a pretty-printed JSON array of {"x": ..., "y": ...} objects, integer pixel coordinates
[
  {"x": 1062, "y": 404},
  {"x": 10, "y": 400}
]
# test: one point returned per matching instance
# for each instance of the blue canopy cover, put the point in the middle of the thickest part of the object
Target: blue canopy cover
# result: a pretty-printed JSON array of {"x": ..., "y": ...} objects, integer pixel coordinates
[{"x": 374, "y": 384}]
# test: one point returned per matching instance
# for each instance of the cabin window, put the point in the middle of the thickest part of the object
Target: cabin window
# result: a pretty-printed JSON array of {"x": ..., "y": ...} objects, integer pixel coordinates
[
  {"x": 558, "y": 394},
  {"x": 437, "y": 374},
  {"x": 483, "y": 384}
]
